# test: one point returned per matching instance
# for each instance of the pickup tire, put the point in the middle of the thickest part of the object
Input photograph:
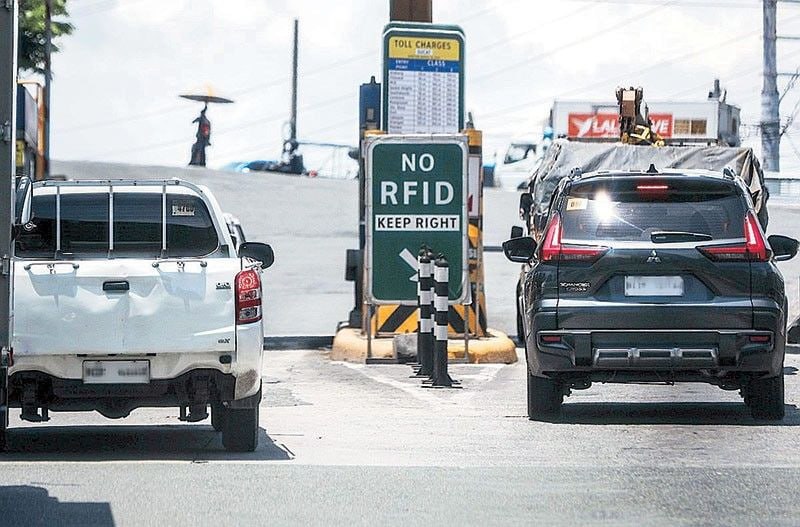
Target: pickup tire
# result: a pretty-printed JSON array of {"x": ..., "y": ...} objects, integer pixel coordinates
[
  {"x": 217, "y": 416},
  {"x": 3, "y": 429},
  {"x": 765, "y": 398},
  {"x": 240, "y": 429},
  {"x": 3, "y": 409},
  {"x": 544, "y": 398}
]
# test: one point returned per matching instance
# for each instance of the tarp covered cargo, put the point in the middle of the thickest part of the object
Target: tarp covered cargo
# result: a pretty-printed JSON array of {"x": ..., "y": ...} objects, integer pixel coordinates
[{"x": 563, "y": 156}]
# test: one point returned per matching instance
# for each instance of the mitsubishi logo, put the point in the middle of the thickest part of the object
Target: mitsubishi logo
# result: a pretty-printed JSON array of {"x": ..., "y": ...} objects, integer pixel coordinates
[{"x": 654, "y": 258}]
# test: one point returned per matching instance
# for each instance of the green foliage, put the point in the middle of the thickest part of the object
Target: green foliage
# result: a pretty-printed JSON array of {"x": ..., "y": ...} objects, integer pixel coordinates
[{"x": 32, "y": 34}]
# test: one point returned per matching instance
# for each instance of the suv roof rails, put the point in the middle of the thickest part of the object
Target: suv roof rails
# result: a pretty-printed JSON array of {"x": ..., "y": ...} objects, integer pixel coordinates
[{"x": 576, "y": 173}]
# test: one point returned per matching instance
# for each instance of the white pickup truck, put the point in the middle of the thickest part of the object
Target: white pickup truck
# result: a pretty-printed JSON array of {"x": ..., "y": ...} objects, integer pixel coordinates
[{"x": 131, "y": 294}]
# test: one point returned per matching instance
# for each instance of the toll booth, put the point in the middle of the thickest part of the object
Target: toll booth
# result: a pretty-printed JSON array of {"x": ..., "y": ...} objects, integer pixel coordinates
[{"x": 27, "y": 147}]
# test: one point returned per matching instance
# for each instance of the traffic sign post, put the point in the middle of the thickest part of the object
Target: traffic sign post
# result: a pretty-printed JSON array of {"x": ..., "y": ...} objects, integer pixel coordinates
[{"x": 416, "y": 195}]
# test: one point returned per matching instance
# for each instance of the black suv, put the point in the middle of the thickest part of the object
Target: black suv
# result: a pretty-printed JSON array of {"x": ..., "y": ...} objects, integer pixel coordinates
[{"x": 656, "y": 278}]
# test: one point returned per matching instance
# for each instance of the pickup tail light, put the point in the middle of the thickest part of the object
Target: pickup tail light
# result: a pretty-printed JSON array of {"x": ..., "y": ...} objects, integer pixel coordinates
[
  {"x": 554, "y": 250},
  {"x": 754, "y": 248},
  {"x": 248, "y": 297}
]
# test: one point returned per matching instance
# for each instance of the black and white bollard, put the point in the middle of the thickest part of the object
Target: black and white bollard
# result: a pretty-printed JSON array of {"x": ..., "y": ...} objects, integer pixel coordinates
[
  {"x": 441, "y": 282},
  {"x": 425, "y": 313}
]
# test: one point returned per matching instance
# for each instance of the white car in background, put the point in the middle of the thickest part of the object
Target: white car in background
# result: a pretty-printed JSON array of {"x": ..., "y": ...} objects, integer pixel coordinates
[{"x": 521, "y": 159}]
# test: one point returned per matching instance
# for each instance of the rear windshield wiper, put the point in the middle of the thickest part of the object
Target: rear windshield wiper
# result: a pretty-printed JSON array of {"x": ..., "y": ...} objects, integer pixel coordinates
[{"x": 679, "y": 236}]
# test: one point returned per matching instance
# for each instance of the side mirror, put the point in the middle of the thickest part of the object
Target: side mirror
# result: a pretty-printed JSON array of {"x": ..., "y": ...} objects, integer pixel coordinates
[
  {"x": 257, "y": 251},
  {"x": 517, "y": 232},
  {"x": 22, "y": 201},
  {"x": 525, "y": 204},
  {"x": 783, "y": 247},
  {"x": 520, "y": 250}
]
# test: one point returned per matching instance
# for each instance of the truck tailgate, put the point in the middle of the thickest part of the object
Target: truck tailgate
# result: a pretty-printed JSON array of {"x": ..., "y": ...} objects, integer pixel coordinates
[{"x": 124, "y": 306}]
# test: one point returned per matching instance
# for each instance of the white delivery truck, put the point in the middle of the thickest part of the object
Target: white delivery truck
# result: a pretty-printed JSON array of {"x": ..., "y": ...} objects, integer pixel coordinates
[{"x": 131, "y": 294}]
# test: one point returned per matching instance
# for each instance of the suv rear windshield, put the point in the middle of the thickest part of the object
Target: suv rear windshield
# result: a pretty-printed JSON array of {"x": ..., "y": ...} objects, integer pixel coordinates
[
  {"x": 631, "y": 209},
  {"x": 137, "y": 226}
]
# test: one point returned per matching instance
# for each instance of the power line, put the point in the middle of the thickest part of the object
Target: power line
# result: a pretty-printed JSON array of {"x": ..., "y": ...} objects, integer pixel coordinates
[
  {"x": 572, "y": 43},
  {"x": 615, "y": 79},
  {"x": 264, "y": 120}
]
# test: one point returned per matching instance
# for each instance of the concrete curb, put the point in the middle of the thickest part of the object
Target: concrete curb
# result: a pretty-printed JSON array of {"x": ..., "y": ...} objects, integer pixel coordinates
[{"x": 351, "y": 346}]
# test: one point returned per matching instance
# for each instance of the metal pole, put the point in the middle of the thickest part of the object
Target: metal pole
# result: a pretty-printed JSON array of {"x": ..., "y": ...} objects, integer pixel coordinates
[
  {"x": 8, "y": 119},
  {"x": 441, "y": 282},
  {"x": 411, "y": 10},
  {"x": 48, "y": 79},
  {"x": 370, "y": 314},
  {"x": 294, "y": 82},
  {"x": 770, "y": 104},
  {"x": 425, "y": 325}
]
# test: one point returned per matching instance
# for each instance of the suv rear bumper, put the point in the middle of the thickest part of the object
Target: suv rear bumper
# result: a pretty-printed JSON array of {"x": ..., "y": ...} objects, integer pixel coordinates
[{"x": 718, "y": 353}]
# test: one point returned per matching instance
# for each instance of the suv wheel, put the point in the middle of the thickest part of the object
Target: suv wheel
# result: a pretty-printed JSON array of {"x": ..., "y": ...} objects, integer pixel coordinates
[
  {"x": 544, "y": 397},
  {"x": 765, "y": 398},
  {"x": 240, "y": 429}
]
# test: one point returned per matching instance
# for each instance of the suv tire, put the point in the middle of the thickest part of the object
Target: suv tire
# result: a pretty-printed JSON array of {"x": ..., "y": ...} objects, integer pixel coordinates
[
  {"x": 765, "y": 398},
  {"x": 240, "y": 429},
  {"x": 544, "y": 398}
]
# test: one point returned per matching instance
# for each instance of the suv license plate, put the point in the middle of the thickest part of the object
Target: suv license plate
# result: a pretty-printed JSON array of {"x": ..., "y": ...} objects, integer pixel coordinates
[
  {"x": 116, "y": 372},
  {"x": 653, "y": 286}
]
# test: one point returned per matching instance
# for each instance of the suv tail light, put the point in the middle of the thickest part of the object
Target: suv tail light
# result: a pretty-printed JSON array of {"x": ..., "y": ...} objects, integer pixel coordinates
[
  {"x": 248, "y": 297},
  {"x": 554, "y": 250},
  {"x": 754, "y": 248}
]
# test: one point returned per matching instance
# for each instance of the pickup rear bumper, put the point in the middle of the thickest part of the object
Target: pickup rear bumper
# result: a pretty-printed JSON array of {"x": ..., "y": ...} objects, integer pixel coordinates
[{"x": 198, "y": 387}]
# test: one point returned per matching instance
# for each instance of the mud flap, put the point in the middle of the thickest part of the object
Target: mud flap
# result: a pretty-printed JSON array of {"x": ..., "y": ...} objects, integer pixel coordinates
[
  {"x": 793, "y": 334},
  {"x": 248, "y": 402}
]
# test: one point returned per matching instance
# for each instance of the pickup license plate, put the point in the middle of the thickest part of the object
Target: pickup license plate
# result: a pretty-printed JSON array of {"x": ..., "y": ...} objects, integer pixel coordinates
[
  {"x": 116, "y": 372},
  {"x": 653, "y": 286}
]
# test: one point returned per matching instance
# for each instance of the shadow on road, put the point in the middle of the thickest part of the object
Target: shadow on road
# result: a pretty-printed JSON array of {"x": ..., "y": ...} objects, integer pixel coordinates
[
  {"x": 131, "y": 443},
  {"x": 669, "y": 413},
  {"x": 26, "y": 505}
]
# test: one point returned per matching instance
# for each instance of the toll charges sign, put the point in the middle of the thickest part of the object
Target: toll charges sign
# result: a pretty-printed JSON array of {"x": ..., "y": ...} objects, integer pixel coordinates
[
  {"x": 416, "y": 194},
  {"x": 606, "y": 125},
  {"x": 423, "y": 81}
]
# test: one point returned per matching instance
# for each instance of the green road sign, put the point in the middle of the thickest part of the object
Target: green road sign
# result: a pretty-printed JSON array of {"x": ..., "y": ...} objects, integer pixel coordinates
[
  {"x": 416, "y": 195},
  {"x": 423, "y": 78}
]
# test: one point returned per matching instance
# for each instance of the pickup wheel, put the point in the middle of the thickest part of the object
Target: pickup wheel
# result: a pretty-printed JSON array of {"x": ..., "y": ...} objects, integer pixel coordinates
[
  {"x": 240, "y": 429},
  {"x": 217, "y": 416},
  {"x": 544, "y": 398},
  {"x": 765, "y": 398},
  {"x": 3, "y": 428}
]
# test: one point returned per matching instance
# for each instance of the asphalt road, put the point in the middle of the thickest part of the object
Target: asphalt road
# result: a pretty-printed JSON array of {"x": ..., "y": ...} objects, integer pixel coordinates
[
  {"x": 367, "y": 445},
  {"x": 351, "y": 444}
]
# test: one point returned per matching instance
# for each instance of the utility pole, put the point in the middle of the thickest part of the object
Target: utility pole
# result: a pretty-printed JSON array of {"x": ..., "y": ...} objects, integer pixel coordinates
[
  {"x": 290, "y": 147},
  {"x": 48, "y": 78},
  {"x": 411, "y": 10},
  {"x": 770, "y": 104},
  {"x": 8, "y": 120}
]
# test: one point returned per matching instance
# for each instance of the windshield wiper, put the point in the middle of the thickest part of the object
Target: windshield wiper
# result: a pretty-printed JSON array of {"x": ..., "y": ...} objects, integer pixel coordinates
[{"x": 679, "y": 236}]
